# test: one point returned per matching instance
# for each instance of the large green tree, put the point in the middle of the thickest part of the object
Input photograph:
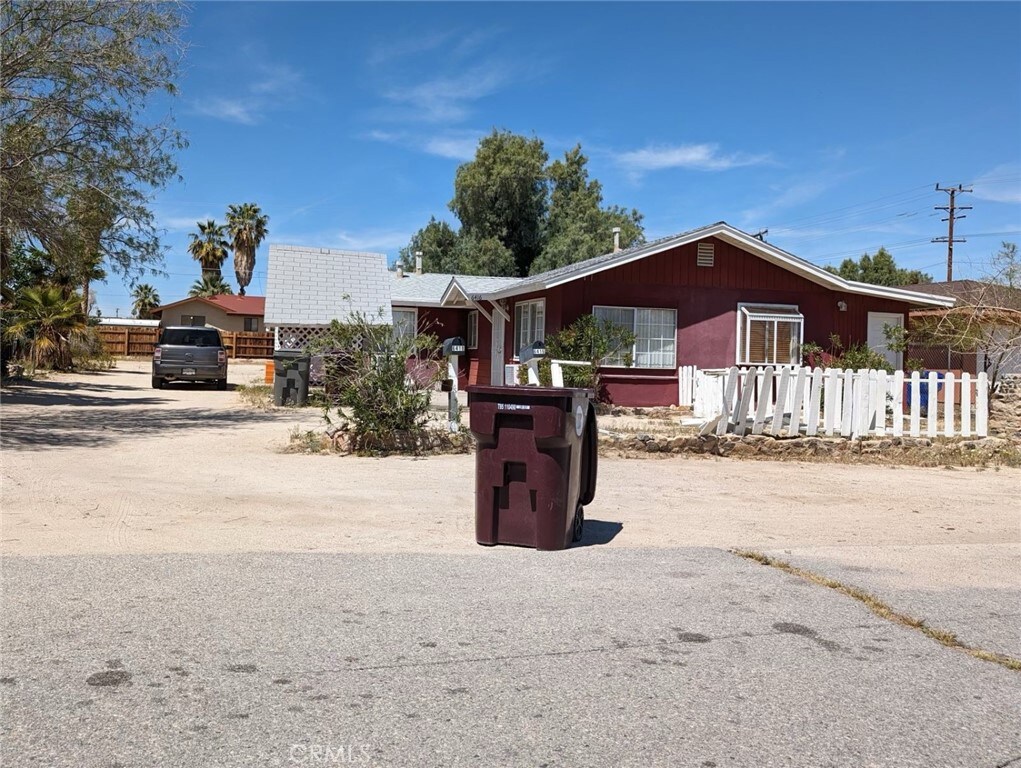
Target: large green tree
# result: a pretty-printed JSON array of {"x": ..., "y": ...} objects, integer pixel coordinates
[
  {"x": 578, "y": 227},
  {"x": 247, "y": 226},
  {"x": 502, "y": 194},
  {"x": 209, "y": 247},
  {"x": 880, "y": 269},
  {"x": 520, "y": 216},
  {"x": 76, "y": 82}
]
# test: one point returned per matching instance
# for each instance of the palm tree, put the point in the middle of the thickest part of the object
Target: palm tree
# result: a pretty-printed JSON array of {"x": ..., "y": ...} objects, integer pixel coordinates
[
  {"x": 247, "y": 227},
  {"x": 209, "y": 248},
  {"x": 146, "y": 299},
  {"x": 46, "y": 322},
  {"x": 209, "y": 285}
]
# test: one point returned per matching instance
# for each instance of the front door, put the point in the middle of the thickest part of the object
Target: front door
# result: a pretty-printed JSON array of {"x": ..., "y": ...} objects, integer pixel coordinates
[{"x": 877, "y": 336}]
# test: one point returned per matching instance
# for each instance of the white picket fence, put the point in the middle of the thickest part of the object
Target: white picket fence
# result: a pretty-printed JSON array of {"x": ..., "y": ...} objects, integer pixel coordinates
[{"x": 793, "y": 400}]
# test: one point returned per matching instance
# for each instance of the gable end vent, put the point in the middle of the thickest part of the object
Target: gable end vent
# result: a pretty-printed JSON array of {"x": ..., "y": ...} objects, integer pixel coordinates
[{"x": 706, "y": 255}]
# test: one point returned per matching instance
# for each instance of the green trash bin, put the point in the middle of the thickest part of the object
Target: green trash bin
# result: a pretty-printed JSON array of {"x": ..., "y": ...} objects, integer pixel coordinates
[{"x": 290, "y": 376}]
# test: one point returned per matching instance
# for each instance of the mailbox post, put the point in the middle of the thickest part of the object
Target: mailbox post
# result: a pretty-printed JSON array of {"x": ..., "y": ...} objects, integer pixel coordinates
[
  {"x": 530, "y": 357},
  {"x": 453, "y": 348}
]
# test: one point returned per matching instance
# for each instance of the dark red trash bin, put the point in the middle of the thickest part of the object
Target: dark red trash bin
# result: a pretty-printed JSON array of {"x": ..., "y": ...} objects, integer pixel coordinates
[{"x": 535, "y": 464}]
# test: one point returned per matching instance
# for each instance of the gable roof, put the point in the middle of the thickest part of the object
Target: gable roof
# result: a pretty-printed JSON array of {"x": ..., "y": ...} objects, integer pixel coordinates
[
  {"x": 312, "y": 286},
  {"x": 726, "y": 233},
  {"x": 250, "y": 306},
  {"x": 430, "y": 288}
]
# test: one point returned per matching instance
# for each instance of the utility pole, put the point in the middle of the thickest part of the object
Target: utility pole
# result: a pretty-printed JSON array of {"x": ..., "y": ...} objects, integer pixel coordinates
[{"x": 951, "y": 217}]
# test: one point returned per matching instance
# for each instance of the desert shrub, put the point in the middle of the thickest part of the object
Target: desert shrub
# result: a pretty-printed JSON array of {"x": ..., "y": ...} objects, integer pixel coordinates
[
  {"x": 854, "y": 357},
  {"x": 367, "y": 371}
]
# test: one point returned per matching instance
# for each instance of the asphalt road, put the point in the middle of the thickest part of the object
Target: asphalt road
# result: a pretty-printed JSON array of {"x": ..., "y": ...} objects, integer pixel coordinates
[{"x": 596, "y": 656}]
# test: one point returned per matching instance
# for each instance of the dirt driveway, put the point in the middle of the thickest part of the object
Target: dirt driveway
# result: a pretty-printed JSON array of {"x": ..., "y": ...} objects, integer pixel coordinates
[{"x": 101, "y": 463}]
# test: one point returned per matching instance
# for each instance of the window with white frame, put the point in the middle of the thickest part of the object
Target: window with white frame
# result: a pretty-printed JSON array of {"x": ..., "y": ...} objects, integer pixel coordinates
[
  {"x": 473, "y": 330},
  {"x": 655, "y": 335},
  {"x": 405, "y": 323},
  {"x": 769, "y": 334},
  {"x": 252, "y": 324},
  {"x": 529, "y": 323}
]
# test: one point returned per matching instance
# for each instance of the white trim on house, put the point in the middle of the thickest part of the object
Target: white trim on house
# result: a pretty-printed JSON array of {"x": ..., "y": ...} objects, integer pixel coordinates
[
  {"x": 537, "y": 333},
  {"x": 735, "y": 237}
]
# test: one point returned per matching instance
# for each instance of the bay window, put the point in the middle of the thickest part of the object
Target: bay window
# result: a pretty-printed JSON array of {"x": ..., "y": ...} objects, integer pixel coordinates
[{"x": 769, "y": 334}]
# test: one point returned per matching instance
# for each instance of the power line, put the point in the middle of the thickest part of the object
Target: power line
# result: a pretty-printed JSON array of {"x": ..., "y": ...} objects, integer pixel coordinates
[{"x": 950, "y": 219}]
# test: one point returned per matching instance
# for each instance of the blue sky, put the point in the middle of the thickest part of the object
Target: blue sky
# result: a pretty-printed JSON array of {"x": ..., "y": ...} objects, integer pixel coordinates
[{"x": 827, "y": 123}]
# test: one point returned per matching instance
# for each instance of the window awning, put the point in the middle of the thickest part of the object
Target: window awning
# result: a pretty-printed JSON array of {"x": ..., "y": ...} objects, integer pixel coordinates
[{"x": 789, "y": 314}]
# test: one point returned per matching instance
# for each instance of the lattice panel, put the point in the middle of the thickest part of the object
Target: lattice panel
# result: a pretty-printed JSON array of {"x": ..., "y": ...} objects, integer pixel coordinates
[{"x": 297, "y": 336}]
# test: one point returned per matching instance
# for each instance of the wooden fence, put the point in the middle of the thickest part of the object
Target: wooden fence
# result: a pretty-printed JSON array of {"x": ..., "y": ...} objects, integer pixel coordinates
[
  {"x": 794, "y": 400},
  {"x": 127, "y": 341}
]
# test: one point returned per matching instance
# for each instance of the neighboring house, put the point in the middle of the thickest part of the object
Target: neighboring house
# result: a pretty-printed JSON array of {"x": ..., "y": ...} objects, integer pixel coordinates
[
  {"x": 712, "y": 297},
  {"x": 307, "y": 288},
  {"x": 996, "y": 308},
  {"x": 225, "y": 312},
  {"x": 127, "y": 322}
]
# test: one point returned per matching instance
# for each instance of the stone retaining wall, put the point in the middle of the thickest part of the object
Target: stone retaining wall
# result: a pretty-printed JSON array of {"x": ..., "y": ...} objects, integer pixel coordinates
[{"x": 913, "y": 450}]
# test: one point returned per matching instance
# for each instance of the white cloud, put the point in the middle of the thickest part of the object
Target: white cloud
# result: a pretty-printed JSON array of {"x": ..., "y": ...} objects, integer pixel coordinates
[
  {"x": 788, "y": 196},
  {"x": 454, "y": 145},
  {"x": 270, "y": 86},
  {"x": 1000, "y": 185},
  {"x": 373, "y": 239},
  {"x": 447, "y": 99},
  {"x": 393, "y": 50},
  {"x": 230, "y": 110},
  {"x": 698, "y": 157},
  {"x": 183, "y": 223}
]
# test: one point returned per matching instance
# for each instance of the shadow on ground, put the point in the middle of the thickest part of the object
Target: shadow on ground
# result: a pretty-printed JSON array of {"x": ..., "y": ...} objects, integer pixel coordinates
[
  {"x": 599, "y": 532},
  {"x": 93, "y": 413}
]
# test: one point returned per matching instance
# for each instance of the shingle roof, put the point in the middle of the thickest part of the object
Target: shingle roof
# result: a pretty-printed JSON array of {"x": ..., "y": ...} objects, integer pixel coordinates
[
  {"x": 428, "y": 288},
  {"x": 312, "y": 286}
]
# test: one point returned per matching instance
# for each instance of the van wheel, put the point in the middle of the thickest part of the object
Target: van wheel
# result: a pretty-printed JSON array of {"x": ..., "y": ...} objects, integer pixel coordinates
[
  {"x": 157, "y": 382},
  {"x": 578, "y": 526}
]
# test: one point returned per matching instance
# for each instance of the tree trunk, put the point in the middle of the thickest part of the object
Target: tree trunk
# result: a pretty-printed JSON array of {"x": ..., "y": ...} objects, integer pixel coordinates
[{"x": 244, "y": 263}]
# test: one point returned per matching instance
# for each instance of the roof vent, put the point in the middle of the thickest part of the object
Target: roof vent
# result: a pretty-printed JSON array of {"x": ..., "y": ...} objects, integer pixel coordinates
[{"x": 706, "y": 255}]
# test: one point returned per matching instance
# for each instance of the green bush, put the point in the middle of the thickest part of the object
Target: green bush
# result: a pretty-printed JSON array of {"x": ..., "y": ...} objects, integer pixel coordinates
[
  {"x": 591, "y": 340},
  {"x": 366, "y": 373}
]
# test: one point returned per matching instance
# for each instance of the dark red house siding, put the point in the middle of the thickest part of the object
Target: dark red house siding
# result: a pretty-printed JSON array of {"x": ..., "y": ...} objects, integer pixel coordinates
[
  {"x": 706, "y": 300},
  {"x": 445, "y": 323}
]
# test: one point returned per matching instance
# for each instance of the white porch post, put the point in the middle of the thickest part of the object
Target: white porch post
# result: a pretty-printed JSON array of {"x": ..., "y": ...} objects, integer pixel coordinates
[{"x": 497, "y": 359}]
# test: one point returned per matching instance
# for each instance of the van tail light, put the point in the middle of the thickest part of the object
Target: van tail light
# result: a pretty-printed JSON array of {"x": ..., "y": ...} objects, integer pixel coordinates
[
  {"x": 221, "y": 357},
  {"x": 157, "y": 355}
]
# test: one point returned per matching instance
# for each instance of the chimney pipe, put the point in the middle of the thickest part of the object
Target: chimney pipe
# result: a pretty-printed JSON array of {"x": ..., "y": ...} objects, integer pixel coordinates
[
  {"x": 400, "y": 271},
  {"x": 616, "y": 239},
  {"x": 418, "y": 262}
]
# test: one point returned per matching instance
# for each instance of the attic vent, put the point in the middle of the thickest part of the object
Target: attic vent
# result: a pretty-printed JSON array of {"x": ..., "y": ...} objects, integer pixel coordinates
[{"x": 706, "y": 255}]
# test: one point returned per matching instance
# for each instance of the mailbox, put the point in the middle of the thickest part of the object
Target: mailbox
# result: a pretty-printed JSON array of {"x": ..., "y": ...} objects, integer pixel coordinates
[
  {"x": 533, "y": 351},
  {"x": 453, "y": 346}
]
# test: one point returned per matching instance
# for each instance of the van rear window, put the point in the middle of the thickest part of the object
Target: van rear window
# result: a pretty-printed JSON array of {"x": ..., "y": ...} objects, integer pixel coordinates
[{"x": 191, "y": 337}]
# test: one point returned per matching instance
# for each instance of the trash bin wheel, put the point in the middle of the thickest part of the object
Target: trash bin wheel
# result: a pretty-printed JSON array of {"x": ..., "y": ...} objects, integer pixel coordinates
[{"x": 578, "y": 526}]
